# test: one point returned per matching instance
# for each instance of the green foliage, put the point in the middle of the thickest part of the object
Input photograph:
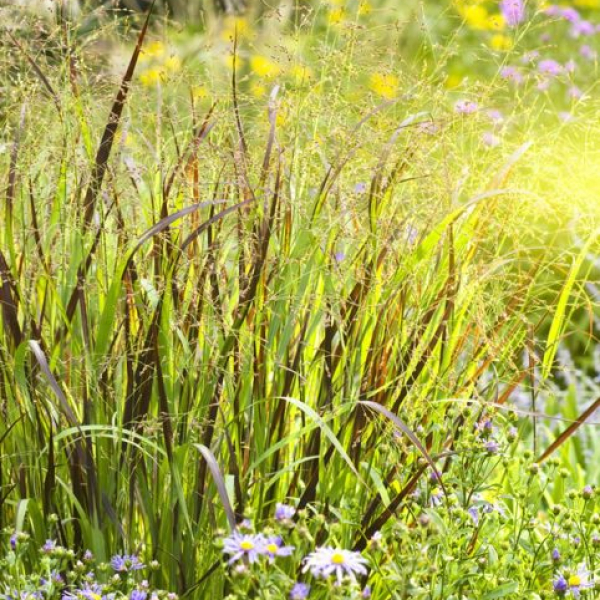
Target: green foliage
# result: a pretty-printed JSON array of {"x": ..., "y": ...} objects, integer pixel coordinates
[{"x": 285, "y": 299}]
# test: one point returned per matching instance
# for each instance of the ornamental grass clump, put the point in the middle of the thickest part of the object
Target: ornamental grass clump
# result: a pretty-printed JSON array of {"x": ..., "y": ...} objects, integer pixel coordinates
[{"x": 301, "y": 336}]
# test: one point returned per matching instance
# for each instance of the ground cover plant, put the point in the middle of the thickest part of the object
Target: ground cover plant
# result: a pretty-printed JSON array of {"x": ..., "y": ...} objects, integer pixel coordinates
[{"x": 286, "y": 318}]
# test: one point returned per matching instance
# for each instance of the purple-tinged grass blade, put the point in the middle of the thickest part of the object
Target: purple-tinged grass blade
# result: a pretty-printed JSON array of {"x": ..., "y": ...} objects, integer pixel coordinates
[{"x": 213, "y": 466}]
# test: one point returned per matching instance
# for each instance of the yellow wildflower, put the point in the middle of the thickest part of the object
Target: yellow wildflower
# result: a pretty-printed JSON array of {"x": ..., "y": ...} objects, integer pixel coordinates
[
  {"x": 384, "y": 84},
  {"x": 232, "y": 24},
  {"x": 239, "y": 63},
  {"x": 500, "y": 42},
  {"x": 336, "y": 16},
  {"x": 453, "y": 80},
  {"x": 496, "y": 23},
  {"x": 154, "y": 49},
  {"x": 264, "y": 67},
  {"x": 151, "y": 77},
  {"x": 301, "y": 74},
  {"x": 364, "y": 8},
  {"x": 200, "y": 92},
  {"x": 257, "y": 89},
  {"x": 476, "y": 17},
  {"x": 173, "y": 63}
]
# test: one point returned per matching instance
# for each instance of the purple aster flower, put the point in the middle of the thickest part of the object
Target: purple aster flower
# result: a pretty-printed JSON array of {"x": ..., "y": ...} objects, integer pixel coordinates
[
  {"x": 285, "y": 512},
  {"x": 339, "y": 257},
  {"x": 474, "y": 514},
  {"x": 587, "y": 492},
  {"x": 92, "y": 591},
  {"x": 366, "y": 593},
  {"x": 575, "y": 93},
  {"x": 492, "y": 447},
  {"x": 246, "y": 524},
  {"x": 13, "y": 541},
  {"x": 466, "y": 107},
  {"x": 588, "y": 52},
  {"x": 511, "y": 73},
  {"x": 239, "y": 546},
  {"x": 560, "y": 585},
  {"x": 555, "y": 555},
  {"x": 530, "y": 57},
  {"x": 513, "y": 11},
  {"x": 327, "y": 561},
  {"x": 570, "y": 14},
  {"x": 579, "y": 581},
  {"x": 125, "y": 563},
  {"x": 543, "y": 85},
  {"x": 138, "y": 595},
  {"x": 88, "y": 555},
  {"x": 49, "y": 546},
  {"x": 584, "y": 28},
  {"x": 300, "y": 591},
  {"x": 565, "y": 116},
  {"x": 360, "y": 188},
  {"x": 550, "y": 67},
  {"x": 273, "y": 547},
  {"x": 490, "y": 139},
  {"x": 437, "y": 495},
  {"x": 495, "y": 115}
]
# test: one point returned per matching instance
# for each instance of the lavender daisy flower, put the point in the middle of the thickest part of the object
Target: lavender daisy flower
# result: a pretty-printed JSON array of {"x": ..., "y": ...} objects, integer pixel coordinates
[
  {"x": 513, "y": 11},
  {"x": 579, "y": 581},
  {"x": 513, "y": 74},
  {"x": 437, "y": 495},
  {"x": 138, "y": 595},
  {"x": 360, "y": 188},
  {"x": 565, "y": 116},
  {"x": 273, "y": 547},
  {"x": 466, "y": 107},
  {"x": 575, "y": 93},
  {"x": 495, "y": 115},
  {"x": 555, "y": 555},
  {"x": 92, "y": 591},
  {"x": 588, "y": 52},
  {"x": 550, "y": 67},
  {"x": 474, "y": 514},
  {"x": 49, "y": 546},
  {"x": 284, "y": 512},
  {"x": 300, "y": 591},
  {"x": 13, "y": 541},
  {"x": 492, "y": 447},
  {"x": 366, "y": 593},
  {"x": 582, "y": 28},
  {"x": 560, "y": 585},
  {"x": 239, "y": 546},
  {"x": 327, "y": 561},
  {"x": 570, "y": 14},
  {"x": 125, "y": 563}
]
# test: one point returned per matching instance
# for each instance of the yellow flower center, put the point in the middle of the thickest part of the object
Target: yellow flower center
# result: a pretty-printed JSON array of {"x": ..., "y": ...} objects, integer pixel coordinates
[
  {"x": 272, "y": 548},
  {"x": 337, "y": 558},
  {"x": 574, "y": 580},
  {"x": 247, "y": 545}
]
